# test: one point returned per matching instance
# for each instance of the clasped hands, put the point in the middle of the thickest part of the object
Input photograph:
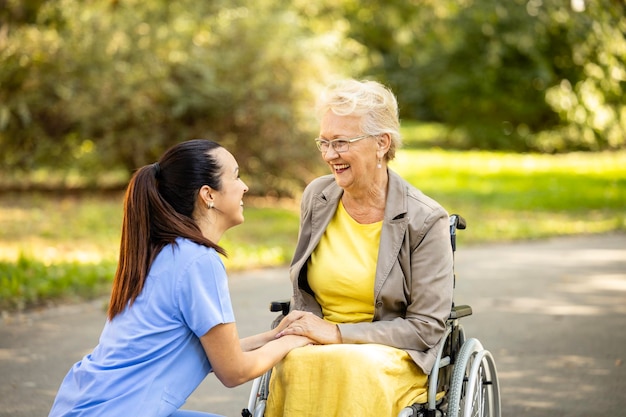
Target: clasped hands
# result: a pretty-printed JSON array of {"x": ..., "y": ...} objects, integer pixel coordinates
[{"x": 302, "y": 323}]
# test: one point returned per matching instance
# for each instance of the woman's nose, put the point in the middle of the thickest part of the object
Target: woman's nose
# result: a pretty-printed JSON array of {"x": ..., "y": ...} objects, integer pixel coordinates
[{"x": 330, "y": 154}]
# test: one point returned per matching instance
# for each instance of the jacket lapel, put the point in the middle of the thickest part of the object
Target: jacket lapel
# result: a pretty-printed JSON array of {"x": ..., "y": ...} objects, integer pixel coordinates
[
  {"x": 324, "y": 207},
  {"x": 394, "y": 229}
]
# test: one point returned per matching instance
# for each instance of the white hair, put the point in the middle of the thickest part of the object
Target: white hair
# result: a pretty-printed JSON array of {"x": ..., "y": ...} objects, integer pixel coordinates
[{"x": 374, "y": 103}]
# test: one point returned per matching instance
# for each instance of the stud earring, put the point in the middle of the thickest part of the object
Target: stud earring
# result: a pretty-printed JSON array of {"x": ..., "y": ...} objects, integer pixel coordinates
[{"x": 379, "y": 163}]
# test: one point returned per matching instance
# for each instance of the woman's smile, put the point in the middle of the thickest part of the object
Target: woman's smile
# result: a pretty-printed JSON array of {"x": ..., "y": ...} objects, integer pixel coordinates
[{"x": 339, "y": 168}]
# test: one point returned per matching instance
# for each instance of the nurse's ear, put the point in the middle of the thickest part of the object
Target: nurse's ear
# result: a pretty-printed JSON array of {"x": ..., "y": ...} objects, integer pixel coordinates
[{"x": 205, "y": 197}]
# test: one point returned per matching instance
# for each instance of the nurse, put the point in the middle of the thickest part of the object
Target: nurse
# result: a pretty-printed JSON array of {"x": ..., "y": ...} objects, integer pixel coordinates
[{"x": 170, "y": 321}]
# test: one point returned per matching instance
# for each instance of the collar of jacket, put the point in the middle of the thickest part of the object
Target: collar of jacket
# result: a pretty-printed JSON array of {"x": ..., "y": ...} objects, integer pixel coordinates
[
  {"x": 396, "y": 206},
  {"x": 395, "y": 222}
]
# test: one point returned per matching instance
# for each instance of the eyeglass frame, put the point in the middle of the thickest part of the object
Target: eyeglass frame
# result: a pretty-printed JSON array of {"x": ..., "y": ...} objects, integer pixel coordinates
[{"x": 330, "y": 143}]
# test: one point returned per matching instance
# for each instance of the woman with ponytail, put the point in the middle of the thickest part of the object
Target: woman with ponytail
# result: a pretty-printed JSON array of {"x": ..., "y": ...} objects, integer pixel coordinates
[{"x": 170, "y": 320}]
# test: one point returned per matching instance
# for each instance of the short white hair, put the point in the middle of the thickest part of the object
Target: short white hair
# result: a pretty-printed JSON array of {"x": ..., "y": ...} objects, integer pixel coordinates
[{"x": 374, "y": 103}]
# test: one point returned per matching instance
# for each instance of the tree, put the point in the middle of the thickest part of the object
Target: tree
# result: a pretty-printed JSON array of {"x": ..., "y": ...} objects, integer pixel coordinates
[
  {"x": 110, "y": 84},
  {"x": 101, "y": 84},
  {"x": 520, "y": 74}
]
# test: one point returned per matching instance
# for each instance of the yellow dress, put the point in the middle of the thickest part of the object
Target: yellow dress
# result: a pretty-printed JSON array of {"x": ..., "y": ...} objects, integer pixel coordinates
[{"x": 345, "y": 379}]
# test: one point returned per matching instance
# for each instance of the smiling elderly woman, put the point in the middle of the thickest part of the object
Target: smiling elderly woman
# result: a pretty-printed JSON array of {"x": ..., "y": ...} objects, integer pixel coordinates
[{"x": 373, "y": 266}]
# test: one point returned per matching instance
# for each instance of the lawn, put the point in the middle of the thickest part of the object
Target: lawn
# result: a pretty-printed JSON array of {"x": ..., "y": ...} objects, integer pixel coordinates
[
  {"x": 63, "y": 248},
  {"x": 518, "y": 196}
]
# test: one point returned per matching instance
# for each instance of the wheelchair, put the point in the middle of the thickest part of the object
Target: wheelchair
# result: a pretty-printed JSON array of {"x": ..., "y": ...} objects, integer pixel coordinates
[{"x": 462, "y": 383}]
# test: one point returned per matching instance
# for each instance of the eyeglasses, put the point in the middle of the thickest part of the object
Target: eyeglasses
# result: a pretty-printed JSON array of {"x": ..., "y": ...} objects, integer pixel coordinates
[{"x": 338, "y": 145}]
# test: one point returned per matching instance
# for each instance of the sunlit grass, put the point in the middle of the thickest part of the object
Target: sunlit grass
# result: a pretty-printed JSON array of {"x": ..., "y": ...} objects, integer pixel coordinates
[
  {"x": 267, "y": 237},
  {"x": 29, "y": 281},
  {"x": 59, "y": 248},
  {"x": 66, "y": 248},
  {"x": 53, "y": 229},
  {"x": 521, "y": 196}
]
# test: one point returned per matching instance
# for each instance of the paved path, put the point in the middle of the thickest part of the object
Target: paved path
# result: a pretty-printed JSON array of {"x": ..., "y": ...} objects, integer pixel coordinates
[{"x": 552, "y": 312}]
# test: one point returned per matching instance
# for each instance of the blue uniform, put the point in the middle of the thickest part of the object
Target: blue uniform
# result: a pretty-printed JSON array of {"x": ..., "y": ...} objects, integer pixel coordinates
[{"x": 149, "y": 358}]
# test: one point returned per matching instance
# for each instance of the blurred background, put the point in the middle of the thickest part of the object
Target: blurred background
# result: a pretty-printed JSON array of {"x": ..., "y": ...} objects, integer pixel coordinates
[{"x": 513, "y": 114}]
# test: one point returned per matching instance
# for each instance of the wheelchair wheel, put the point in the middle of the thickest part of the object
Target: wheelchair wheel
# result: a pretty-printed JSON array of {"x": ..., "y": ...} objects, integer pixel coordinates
[
  {"x": 474, "y": 387},
  {"x": 258, "y": 396}
]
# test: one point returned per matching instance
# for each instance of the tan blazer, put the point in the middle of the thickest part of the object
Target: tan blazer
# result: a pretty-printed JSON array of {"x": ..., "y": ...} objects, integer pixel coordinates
[{"x": 414, "y": 274}]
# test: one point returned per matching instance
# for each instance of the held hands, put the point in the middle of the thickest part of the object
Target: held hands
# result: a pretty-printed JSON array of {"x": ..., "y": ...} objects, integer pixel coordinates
[
  {"x": 307, "y": 324},
  {"x": 297, "y": 340},
  {"x": 288, "y": 319}
]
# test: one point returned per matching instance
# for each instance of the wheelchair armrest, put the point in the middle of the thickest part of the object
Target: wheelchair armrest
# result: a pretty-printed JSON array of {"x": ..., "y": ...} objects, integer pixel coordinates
[
  {"x": 457, "y": 222},
  {"x": 460, "y": 311},
  {"x": 281, "y": 305}
]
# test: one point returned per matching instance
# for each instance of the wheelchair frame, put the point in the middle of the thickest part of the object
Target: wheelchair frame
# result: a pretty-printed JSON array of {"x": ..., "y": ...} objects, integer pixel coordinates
[{"x": 464, "y": 371}]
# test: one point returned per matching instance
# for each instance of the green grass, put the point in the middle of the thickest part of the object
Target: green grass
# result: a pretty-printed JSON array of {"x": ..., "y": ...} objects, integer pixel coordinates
[
  {"x": 65, "y": 248},
  {"x": 267, "y": 237},
  {"x": 30, "y": 281},
  {"x": 520, "y": 196}
]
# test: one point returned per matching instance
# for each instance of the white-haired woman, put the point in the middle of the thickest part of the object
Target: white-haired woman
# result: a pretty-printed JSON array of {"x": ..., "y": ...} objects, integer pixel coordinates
[{"x": 373, "y": 265}]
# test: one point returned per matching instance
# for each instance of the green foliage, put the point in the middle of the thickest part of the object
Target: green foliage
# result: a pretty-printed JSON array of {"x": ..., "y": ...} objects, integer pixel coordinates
[
  {"x": 102, "y": 85},
  {"x": 105, "y": 86},
  {"x": 518, "y": 75},
  {"x": 591, "y": 105},
  {"x": 20, "y": 11}
]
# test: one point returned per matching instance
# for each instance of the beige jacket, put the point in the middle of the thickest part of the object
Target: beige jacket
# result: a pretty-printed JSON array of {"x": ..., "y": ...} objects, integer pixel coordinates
[{"x": 414, "y": 274}]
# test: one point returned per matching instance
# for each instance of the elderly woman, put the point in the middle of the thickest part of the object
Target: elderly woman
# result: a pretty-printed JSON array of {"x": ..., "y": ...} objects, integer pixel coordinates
[{"x": 373, "y": 266}]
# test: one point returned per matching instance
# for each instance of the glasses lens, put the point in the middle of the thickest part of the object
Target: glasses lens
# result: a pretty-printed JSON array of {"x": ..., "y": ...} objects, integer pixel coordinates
[
  {"x": 340, "y": 145},
  {"x": 322, "y": 145}
]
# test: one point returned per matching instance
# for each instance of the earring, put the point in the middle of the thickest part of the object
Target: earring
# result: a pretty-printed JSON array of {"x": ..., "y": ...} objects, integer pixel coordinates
[
  {"x": 211, "y": 205},
  {"x": 379, "y": 163}
]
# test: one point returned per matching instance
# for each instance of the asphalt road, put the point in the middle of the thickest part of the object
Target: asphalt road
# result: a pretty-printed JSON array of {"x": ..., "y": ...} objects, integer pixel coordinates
[{"x": 552, "y": 312}]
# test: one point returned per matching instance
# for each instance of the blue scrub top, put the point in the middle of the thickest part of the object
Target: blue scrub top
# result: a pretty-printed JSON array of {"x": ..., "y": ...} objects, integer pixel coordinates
[{"x": 149, "y": 358}]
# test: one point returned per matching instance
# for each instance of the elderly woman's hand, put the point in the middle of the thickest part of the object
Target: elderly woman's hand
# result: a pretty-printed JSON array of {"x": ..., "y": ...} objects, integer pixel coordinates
[
  {"x": 288, "y": 319},
  {"x": 313, "y": 327}
]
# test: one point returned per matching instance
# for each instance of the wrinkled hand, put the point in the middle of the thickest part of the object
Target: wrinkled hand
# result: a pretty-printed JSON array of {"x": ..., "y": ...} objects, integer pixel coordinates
[
  {"x": 288, "y": 319},
  {"x": 313, "y": 327}
]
